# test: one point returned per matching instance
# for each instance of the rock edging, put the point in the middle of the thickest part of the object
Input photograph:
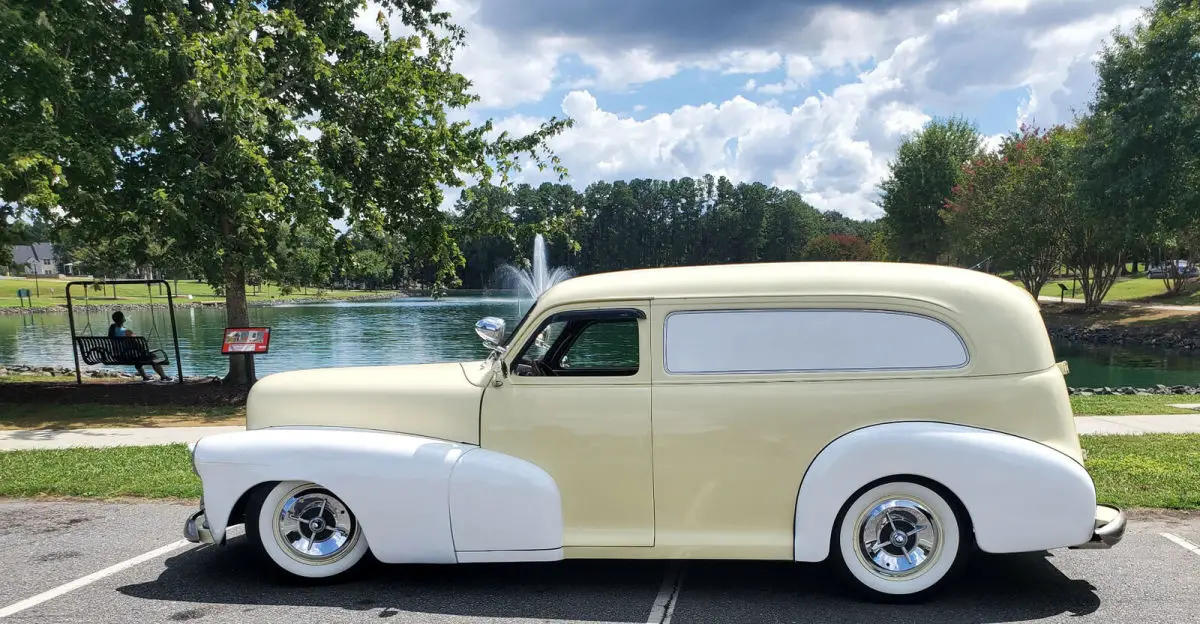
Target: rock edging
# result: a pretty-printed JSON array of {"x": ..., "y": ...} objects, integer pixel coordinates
[
  {"x": 1183, "y": 339},
  {"x": 1128, "y": 390}
]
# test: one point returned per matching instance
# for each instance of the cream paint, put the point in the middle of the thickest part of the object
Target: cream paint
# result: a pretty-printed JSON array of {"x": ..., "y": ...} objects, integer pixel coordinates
[
  {"x": 406, "y": 491},
  {"x": 1021, "y": 496},
  {"x": 435, "y": 400}
]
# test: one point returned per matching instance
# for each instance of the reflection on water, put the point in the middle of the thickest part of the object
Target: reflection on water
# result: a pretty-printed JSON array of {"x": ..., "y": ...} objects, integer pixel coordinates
[
  {"x": 399, "y": 331},
  {"x": 416, "y": 330},
  {"x": 1099, "y": 366}
]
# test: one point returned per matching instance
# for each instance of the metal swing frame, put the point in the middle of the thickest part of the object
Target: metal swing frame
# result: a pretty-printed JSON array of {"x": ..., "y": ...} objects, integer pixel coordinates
[{"x": 147, "y": 283}]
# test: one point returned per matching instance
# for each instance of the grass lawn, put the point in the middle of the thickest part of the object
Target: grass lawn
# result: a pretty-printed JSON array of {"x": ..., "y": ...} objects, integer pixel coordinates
[
  {"x": 1161, "y": 471},
  {"x": 1131, "y": 288},
  {"x": 40, "y": 416},
  {"x": 1153, "y": 470},
  {"x": 146, "y": 471},
  {"x": 1130, "y": 405},
  {"x": 53, "y": 292}
]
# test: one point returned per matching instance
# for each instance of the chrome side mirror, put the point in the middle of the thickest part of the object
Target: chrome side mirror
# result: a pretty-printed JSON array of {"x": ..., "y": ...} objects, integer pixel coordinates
[{"x": 491, "y": 329}]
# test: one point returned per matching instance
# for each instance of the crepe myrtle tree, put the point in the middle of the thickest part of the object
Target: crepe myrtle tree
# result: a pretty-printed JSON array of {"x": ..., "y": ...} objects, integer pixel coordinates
[
  {"x": 1011, "y": 204},
  {"x": 223, "y": 117}
]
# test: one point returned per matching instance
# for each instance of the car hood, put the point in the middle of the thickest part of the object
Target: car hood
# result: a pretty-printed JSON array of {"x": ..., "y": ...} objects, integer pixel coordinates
[{"x": 435, "y": 400}]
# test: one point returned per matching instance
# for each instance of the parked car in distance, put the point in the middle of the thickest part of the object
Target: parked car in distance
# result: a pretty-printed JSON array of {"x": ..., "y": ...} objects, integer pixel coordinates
[
  {"x": 884, "y": 418},
  {"x": 1182, "y": 268}
]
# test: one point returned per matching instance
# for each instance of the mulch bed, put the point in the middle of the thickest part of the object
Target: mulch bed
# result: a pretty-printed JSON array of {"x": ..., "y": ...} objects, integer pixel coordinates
[{"x": 199, "y": 392}]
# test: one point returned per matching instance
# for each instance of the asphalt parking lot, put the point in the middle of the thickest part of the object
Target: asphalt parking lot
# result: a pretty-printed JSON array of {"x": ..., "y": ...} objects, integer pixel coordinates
[{"x": 58, "y": 559}]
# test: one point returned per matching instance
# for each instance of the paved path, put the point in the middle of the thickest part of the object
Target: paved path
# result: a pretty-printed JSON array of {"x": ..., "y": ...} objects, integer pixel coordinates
[
  {"x": 150, "y": 436},
  {"x": 117, "y": 436},
  {"x": 1170, "y": 423},
  {"x": 1128, "y": 304}
]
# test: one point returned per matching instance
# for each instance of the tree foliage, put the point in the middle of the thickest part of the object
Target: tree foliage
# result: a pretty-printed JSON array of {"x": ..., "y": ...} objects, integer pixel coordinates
[
  {"x": 921, "y": 176},
  {"x": 173, "y": 129},
  {"x": 1011, "y": 204},
  {"x": 611, "y": 226}
]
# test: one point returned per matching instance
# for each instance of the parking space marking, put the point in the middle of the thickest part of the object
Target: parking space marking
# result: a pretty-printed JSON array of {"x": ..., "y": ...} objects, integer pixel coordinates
[
  {"x": 89, "y": 579},
  {"x": 1182, "y": 542},
  {"x": 668, "y": 596}
]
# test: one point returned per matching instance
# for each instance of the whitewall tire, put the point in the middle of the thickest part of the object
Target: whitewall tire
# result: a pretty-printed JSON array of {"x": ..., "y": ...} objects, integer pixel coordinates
[
  {"x": 305, "y": 529},
  {"x": 900, "y": 541}
]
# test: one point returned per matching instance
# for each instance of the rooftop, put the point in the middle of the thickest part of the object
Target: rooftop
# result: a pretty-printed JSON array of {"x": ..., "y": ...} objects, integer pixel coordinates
[{"x": 949, "y": 286}]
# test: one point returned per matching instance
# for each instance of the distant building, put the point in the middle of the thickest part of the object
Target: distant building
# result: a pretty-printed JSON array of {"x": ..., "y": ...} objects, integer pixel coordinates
[{"x": 37, "y": 258}]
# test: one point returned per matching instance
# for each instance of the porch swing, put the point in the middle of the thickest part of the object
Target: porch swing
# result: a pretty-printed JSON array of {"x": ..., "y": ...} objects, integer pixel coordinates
[{"x": 125, "y": 350}]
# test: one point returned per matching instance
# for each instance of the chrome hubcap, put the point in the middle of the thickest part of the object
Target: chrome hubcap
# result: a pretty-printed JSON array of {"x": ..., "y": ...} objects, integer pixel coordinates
[
  {"x": 898, "y": 538},
  {"x": 314, "y": 527}
]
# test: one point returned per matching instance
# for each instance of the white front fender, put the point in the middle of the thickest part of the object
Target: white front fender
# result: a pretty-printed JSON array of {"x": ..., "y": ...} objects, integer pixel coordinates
[
  {"x": 413, "y": 496},
  {"x": 1020, "y": 495}
]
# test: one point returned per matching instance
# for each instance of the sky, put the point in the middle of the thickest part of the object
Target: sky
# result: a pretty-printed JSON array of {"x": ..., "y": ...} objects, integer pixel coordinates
[{"x": 813, "y": 96}]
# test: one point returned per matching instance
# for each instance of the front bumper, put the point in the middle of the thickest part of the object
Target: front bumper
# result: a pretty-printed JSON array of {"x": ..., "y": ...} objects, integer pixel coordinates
[
  {"x": 195, "y": 529},
  {"x": 1109, "y": 529}
]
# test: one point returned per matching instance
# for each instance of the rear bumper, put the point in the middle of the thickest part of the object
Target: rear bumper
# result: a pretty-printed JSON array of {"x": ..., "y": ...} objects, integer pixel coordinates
[
  {"x": 1109, "y": 528},
  {"x": 195, "y": 529}
]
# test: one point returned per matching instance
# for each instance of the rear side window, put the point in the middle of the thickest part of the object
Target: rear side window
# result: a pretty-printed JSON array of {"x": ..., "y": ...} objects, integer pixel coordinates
[{"x": 809, "y": 340}]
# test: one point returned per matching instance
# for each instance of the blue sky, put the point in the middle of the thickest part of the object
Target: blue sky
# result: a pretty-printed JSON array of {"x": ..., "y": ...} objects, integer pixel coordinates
[{"x": 813, "y": 96}]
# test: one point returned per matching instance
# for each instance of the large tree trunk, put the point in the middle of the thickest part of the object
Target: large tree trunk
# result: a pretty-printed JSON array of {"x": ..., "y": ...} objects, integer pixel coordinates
[{"x": 237, "y": 314}]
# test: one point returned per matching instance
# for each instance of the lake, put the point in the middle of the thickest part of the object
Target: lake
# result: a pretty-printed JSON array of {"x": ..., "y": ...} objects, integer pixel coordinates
[{"x": 416, "y": 330}]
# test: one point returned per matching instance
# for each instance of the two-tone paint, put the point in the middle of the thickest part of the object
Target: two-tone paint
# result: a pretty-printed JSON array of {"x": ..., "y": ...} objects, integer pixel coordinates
[{"x": 462, "y": 462}]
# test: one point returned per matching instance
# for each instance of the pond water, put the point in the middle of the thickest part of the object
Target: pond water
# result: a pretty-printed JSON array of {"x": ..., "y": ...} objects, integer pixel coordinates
[{"x": 416, "y": 330}]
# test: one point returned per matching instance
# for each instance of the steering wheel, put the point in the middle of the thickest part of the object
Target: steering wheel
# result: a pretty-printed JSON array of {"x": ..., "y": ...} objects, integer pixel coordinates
[{"x": 543, "y": 369}]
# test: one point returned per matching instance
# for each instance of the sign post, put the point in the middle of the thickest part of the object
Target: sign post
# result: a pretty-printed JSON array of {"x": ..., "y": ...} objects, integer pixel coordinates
[{"x": 253, "y": 340}]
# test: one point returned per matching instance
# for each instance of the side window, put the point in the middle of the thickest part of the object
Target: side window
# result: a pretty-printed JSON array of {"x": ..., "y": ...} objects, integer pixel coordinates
[
  {"x": 584, "y": 343},
  {"x": 807, "y": 340},
  {"x": 605, "y": 344}
]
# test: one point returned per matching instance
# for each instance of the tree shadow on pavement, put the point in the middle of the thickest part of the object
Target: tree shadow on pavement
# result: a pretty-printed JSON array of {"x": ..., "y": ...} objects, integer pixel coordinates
[{"x": 995, "y": 589}]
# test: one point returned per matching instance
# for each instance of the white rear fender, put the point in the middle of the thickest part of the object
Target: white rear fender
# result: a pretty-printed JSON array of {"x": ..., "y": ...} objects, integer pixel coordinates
[
  {"x": 413, "y": 496},
  {"x": 1020, "y": 495}
]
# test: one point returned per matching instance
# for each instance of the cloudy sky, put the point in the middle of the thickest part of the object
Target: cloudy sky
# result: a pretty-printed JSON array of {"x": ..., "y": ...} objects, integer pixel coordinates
[{"x": 808, "y": 95}]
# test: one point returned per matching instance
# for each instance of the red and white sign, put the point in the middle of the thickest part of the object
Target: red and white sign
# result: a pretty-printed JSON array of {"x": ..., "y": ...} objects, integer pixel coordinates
[{"x": 246, "y": 340}]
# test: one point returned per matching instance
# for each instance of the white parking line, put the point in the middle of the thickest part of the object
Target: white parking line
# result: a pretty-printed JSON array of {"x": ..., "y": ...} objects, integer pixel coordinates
[
  {"x": 1182, "y": 542},
  {"x": 89, "y": 579},
  {"x": 668, "y": 596}
]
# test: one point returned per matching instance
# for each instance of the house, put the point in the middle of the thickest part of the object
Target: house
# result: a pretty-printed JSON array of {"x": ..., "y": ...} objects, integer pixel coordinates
[{"x": 37, "y": 258}]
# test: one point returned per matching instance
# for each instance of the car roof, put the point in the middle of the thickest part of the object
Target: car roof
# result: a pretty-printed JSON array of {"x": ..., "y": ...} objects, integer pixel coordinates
[
  {"x": 783, "y": 278},
  {"x": 1001, "y": 323}
]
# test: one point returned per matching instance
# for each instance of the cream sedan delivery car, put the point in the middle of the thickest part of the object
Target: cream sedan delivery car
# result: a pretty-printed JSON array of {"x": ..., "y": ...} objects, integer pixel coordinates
[{"x": 885, "y": 418}]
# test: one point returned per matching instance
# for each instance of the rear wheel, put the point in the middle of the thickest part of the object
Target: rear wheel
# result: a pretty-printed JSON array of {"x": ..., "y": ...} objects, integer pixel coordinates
[
  {"x": 901, "y": 541},
  {"x": 305, "y": 529}
]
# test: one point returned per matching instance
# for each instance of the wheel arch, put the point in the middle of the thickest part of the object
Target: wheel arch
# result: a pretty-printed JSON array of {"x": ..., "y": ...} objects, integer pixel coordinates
[{"x": 979, "y": 471}]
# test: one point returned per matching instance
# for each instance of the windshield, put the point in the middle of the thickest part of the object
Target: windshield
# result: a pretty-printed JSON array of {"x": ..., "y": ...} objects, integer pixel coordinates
[{"x": 504, "y": 344}]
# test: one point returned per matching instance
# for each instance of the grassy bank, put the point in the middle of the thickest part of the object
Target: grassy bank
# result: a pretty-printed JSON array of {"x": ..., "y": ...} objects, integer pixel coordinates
[
  {"x": 1160, "y": 471},
  {"x": 67, "y": 416},
  {"x": 53, "y": 293},
  {"x": 1130, "y": 405}
]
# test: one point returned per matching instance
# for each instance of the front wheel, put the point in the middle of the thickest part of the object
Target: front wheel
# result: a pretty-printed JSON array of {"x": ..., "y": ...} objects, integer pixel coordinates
[
  {"x": 901, "y": 541},
  {"x": 305, "y": 530}
]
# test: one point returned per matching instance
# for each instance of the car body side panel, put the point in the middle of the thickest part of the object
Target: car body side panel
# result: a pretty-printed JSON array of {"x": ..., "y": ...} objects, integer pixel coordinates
[
  {"x": 501, "y": 506},
  {"x": 1021, "y": 496},
  {"x": 418, "y": 500}
]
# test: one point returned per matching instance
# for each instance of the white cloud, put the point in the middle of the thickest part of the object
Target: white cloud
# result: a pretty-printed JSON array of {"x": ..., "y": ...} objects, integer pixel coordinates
[{"x": 834, "y": 145}]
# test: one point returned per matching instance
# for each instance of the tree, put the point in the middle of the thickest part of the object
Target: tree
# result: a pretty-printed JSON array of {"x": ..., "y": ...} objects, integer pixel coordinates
[
  {"x": 837, "y": 247},
  {"x": 924, "y": 171},
  {"x": 212, "y": 101},
  {"x": 1148, "y": 107},
  {"x": 1011, "y": 204}
]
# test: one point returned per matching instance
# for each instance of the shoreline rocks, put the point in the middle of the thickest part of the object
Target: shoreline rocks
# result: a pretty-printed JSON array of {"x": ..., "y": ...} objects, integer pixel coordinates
[
  {"x": 21, "y": 370},
  {"x": 1128, "y": 390}
]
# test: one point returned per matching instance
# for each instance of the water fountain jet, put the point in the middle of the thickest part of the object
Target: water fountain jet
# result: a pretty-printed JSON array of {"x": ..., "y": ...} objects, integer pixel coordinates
[{"x": 539, "y": 277}]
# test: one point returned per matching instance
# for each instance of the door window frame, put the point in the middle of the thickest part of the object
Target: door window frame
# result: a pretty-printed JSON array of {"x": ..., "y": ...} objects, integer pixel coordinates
[{"x": 638, "y": 310}]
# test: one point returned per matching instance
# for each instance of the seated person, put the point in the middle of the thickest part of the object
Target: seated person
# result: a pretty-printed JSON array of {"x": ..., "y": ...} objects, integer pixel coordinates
[{"x": 118, "y": 330}]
